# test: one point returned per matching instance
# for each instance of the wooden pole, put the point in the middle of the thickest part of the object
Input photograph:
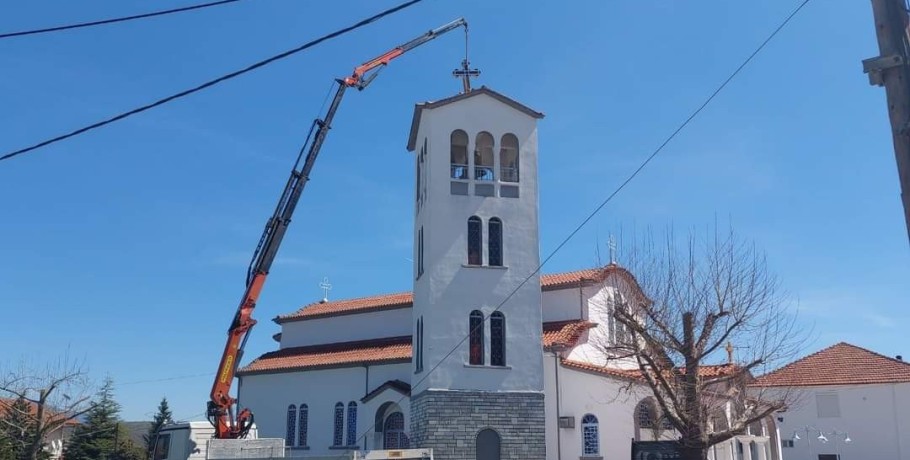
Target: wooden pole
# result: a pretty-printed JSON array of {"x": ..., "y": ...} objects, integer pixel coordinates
[{"x": 892, "y": 70}]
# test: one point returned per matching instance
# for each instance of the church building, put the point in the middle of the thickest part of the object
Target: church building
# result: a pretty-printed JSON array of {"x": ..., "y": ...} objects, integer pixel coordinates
[{"x": 486, "y": 358}]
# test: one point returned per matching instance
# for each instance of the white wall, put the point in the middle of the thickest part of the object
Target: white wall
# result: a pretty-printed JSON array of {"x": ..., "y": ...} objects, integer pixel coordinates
[
  {"x": 268, "y": 396},
  {"x": 583, "y": 393},
  {"x": 876, "y": 417},
  {"x": 562, "y": 305},
  {"x": 347, "y": 328}
]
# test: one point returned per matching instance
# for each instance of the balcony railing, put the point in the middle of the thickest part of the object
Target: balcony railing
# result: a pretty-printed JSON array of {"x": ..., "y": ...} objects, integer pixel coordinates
[
  {"x": 507, "y": 174},
  {"x": 483, "y": 173},
  {"x": 459, "y": 171}
]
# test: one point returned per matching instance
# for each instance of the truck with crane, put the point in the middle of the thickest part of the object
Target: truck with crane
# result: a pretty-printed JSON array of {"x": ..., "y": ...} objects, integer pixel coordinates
[{"x": 230, "y": 431}]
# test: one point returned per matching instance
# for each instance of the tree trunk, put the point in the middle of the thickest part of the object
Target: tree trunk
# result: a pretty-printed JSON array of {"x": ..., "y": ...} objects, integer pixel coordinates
[
  {"x": 35, "y": 446},
  {"x": 693, "y": 453}
]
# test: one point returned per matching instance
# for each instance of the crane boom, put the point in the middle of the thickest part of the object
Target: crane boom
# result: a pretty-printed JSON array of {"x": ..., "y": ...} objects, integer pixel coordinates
[{"x": 230, "y": 423}]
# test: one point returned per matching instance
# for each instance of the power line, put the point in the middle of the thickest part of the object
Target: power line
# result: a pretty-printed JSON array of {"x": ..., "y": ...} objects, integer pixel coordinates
[
  {"x": 115, "y": 20},
  {"x": 214, "y": 82},
  {"x": 166, "y": 379},
  {"x": 614, "y": 193}
]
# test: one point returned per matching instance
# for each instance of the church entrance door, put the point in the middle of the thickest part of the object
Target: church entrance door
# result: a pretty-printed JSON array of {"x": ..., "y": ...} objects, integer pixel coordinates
[{"x": 488, "y": 445}]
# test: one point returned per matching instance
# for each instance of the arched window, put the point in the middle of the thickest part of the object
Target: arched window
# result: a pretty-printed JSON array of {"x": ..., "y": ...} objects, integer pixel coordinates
[
  {"x": 475, "y": 325},
  {"x": 338, "y": 428},
  {"x": 487, "y": 447},
  {"x": 394, "y": 436},
  {"x": 483, "y": 156},
  {"x": 420, "y": 253},
  {"x": 497, "y": 339},
  {"x": 303, "y": 420},
  {"x": 352, "y": 423},
  {"x": 590, "y": 438},
  {"x": 719, "y": 421},
  {"x": 494, "y": 245},
  {"x": 419, "y": 178},
  {"x": 418, "y": 354},
  {"x": 508, "y": 158},
  {"x": 475, "y": 229},
  {"x": 644, "y": 414},
  {"x": 291, "y": 431},
  {"x": 459, "y": 154}
]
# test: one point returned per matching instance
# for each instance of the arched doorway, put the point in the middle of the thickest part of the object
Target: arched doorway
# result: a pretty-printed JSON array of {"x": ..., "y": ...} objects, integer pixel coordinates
[
  {"x": 487, "y": 445},
  {"x": 394, "y": 436}
]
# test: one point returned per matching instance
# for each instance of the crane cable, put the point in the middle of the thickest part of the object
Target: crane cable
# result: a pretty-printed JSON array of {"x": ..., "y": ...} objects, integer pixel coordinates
[
  {"x": 214, "y": 82},
  {"x": 115, "y": 20}
]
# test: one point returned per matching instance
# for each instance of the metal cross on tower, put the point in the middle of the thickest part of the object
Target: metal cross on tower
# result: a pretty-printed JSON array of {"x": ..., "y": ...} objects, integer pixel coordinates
[
  {"x": 612, "y": 245},
  {"x": 326, "y": 287},
  {"x": 466, "y": 72}
]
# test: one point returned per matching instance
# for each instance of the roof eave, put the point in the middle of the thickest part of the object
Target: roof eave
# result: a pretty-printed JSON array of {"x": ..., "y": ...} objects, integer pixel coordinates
[{"x": 286, "y": 370}]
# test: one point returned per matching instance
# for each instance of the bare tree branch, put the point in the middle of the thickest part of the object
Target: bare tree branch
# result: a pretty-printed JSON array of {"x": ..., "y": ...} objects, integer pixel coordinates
[{"x": 691, "y": 301}]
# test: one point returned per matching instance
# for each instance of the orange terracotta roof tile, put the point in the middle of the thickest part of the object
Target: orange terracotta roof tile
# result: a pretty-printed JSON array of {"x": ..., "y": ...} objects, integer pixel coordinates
[
  {"x": 375, "y": 351},
  {"x": 613, "y": 372},
  {"x": 6, "y": 404},
  {"x": 564, "y": 332},
  {"x": 378, "y": 351},
  {"x": 840, "y": 364},
  {"x": 707, "y": 371},
  {"x": 551, "y": 282},
  {"x": 350, "y": 306}
]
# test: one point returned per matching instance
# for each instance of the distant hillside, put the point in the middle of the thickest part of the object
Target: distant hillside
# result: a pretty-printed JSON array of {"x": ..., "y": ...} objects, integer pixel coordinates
[{"x": 136, "y": 431}]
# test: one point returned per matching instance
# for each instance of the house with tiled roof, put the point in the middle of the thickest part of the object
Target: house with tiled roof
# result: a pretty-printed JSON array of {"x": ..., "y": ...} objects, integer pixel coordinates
[
  {"x": 55, "y": 439},
  {"x": 850, "y": 402},
  {"x": 485, "y": 358}
]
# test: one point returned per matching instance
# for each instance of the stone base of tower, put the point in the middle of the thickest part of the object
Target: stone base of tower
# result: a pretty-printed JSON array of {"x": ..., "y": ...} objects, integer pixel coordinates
[{"x": 449, "y": 421}]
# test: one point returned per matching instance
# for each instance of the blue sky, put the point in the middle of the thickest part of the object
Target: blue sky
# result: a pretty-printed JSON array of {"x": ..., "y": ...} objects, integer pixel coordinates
[{"x": 128, "y": 245}]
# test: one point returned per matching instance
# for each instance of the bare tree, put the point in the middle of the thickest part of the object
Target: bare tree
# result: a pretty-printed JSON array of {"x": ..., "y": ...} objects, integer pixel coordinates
[
  {"x": 676, "y": 321},
  {"x": 56, "y": 394}
]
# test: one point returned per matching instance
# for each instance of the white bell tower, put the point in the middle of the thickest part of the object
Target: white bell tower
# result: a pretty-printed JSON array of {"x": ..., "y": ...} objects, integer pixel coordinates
[{"x": 476, "y": 240}]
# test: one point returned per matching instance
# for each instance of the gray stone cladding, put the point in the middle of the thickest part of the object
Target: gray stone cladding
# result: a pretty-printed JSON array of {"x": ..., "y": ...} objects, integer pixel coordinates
[{"x": 448, "y": 422}]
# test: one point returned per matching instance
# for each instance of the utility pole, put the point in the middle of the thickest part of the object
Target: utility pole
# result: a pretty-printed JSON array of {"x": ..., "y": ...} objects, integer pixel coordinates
[{"x": 891, "y": 69}]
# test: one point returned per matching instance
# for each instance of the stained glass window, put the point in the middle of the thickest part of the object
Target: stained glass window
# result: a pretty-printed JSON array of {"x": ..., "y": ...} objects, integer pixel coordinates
[
  {"x": 475, "y": 228},
  {"x": 476, "y": 337},
  {"x": 394, "y": 436},
  {"x": 291, "y": 431},
  {"x": 590, "y": 442},
  {"x": 352, "y": 423},
  {"x": 339, "y": 425},
  {"x": 645, "y": 415},
  {"x": 495, "y": 242},
  {"x": 303, "y": 420},
  {"x": 497, "y": 339}
]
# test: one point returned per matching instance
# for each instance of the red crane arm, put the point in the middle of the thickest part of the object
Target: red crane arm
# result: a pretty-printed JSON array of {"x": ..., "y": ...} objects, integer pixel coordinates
[{"x": 222, "y": 412}]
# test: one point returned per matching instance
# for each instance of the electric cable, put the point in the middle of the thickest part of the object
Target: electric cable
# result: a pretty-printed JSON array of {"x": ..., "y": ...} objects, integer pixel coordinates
[
  {"x": 616, "y": 191},
  {"x": 214, "y": 82},
  {"x": 115, "y": 20}
]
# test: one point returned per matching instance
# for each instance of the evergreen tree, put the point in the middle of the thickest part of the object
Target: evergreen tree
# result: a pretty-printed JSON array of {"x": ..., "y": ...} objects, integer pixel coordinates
[
  {"x": 17, "y": 430},
  {"x": 162, "y": 418},
  {"x": 102, "y": 437}
]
